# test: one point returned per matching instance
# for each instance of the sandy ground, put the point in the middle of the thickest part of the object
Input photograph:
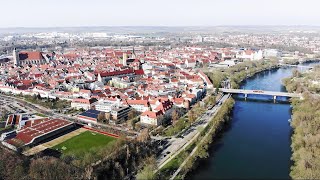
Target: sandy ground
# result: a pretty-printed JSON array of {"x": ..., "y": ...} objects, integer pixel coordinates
[{"x": 53, "y": 142}]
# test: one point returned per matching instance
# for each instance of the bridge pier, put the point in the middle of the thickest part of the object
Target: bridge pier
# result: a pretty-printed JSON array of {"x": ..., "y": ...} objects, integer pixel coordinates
[
  {"x": 245, "y": 96},
  {"x": 274, "y": 97}
]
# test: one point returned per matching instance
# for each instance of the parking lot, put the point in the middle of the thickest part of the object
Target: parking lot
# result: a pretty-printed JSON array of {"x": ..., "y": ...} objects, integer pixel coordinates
[{"x": 10, "y": 106}]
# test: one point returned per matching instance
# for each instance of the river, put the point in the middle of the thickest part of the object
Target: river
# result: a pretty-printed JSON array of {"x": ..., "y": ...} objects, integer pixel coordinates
[{"x": 256, "y": 145}]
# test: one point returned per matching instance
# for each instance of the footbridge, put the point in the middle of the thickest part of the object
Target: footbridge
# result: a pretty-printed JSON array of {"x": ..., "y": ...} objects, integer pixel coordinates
[{"x": 275, "y": 94}]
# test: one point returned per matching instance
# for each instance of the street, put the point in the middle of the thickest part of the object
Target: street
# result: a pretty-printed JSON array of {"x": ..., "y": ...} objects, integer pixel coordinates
[{"x": 175, "y": 145}]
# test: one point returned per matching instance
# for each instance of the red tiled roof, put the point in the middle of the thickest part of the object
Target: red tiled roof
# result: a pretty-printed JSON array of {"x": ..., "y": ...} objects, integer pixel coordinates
[
  {"x": 27, "y": 134},
  {"x": 151, "y": 114},
  {"x": 30, "y": 55},
  {"x": 141, "y": 102},
  {"x": 139, "y": 72},
  {"x": 116, "y": 73}
]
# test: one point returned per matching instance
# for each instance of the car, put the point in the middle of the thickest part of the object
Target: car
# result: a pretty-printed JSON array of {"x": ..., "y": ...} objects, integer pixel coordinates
[
  {"x": 180, "y": 136},
  {"x": 168, "y": 152}
]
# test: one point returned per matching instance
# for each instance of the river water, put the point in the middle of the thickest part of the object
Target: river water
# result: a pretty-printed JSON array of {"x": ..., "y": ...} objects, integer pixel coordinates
[{"x": 256, "y": 145}]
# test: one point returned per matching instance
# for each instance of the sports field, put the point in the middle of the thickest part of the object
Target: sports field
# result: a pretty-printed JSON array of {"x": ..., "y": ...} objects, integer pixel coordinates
[{"x": 84, "y": 142}]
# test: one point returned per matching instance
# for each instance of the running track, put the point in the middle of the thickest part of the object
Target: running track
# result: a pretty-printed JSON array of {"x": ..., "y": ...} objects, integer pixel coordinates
[{"x": 101, "y": 132}]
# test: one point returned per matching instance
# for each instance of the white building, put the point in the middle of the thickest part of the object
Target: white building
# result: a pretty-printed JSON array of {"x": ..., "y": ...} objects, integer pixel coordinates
[{"x": 150, "y": 118}]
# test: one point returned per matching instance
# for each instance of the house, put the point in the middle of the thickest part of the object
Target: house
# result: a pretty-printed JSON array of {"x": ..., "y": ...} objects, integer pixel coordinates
[
  {"x": 190, "y": 63},
  {"x": 85, "y": 93},
  {"x": 206, "y": 80},
  {"x": 139, "y": 105},
  {"x": 151, "y": 118},
  {"x": 85, "y": 104}
]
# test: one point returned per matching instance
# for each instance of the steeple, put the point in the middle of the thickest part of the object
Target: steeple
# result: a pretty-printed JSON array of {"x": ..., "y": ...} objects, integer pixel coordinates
[
  {"x": 15, "y": 55},
  {"x": 99, "y": 77},
  {"x": 133, "y": 54},
  {"x": 124, "y": 59}
]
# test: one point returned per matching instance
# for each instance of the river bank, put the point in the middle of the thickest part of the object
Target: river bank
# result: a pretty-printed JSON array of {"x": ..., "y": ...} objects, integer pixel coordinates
[
  {"x": 201, "y": 146},
  {"x": 306, "y": 125}
]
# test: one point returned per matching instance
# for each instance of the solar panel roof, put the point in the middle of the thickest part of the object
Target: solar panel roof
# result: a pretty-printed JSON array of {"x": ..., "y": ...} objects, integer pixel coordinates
[{"x": 91, "y": 113}]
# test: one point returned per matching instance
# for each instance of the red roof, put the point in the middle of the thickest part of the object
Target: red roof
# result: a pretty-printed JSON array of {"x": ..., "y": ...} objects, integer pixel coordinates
[
  {"x": 139, "y": 72},
  {"x": 151, "y": 114},
  {"x": 27, "y": 134},
  {"x": 141, "y": 102},
  {"x": 30, "y": 55},
  {"x": 116, "y": 73}
]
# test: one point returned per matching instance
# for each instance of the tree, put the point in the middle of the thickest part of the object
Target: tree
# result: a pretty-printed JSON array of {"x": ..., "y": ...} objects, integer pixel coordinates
[
  {"x": 175, "y": 117},
  {"x": 18, "y": 172},
  {"x": 144, "y": 136},
  {"x": 296, "y": 73},
  {"x": 101, "y": 117},
  {"x": 147, "y": 172},
  {"x": 132, "y": 114},
  {"x": 51, "y": 168},
  {"x": 212, "y": 100},
  {"x": 191, "y": 116},
  {"x": 107, "y": 115}
]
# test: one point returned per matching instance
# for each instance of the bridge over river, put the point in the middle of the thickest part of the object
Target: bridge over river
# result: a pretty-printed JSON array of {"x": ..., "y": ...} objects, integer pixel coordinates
[{"x": 260, "y": 92}]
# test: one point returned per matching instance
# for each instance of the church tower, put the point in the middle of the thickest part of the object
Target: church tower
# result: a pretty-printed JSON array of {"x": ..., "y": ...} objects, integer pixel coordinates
[
  {"x": 133, "y": 54},
  {"x": 15, "y": 55},
  {"x": 99, "y": 77},
  {"x": 124, "y": 59}
]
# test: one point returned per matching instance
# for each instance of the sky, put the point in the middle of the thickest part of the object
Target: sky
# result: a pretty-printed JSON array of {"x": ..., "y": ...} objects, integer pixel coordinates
[{"x": 70, "y": 13}]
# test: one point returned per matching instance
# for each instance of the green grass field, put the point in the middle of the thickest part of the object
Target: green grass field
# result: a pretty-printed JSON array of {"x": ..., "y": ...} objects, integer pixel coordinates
[{"x": 84, "y": 142}]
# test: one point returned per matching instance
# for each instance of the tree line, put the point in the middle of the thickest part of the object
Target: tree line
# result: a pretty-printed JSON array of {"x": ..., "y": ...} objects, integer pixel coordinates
[{"x": 305, "y": 122}]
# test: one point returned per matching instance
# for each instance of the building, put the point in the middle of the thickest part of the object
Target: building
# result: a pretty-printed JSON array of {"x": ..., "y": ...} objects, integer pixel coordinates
[
  {"x": 85, "y": 104},
  {"x": 119, "y": 114},
  {"x": 190, "y": 63},
  {"x": 105, "y": 106},
  {"x": 139, "y": 105},
  {"x": 271, "y": 53},
  {"x": 34, "y": 133},
  {"x": 151, "y": 118},
  {"x": 90, "y": 116},
  {"x": 29, "y": 57}
]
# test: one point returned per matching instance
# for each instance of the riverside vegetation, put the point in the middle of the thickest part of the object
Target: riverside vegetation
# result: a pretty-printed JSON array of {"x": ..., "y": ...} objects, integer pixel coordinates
[
  {"x": 306, "y": 124},
  {"x": 239, "y": 72}
]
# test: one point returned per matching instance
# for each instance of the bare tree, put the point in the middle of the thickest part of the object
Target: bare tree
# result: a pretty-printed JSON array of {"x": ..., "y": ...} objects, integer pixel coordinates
[
  {"x": 144, "y": 136},
  {"x": 101, "y": 117},
  {"x": 175, "y": 117}
]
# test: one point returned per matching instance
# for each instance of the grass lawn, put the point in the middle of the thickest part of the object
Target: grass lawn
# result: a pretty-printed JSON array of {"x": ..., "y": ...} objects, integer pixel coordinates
[
  {"x": 84, "y": 142},
  {"x": 41, "y": 115}
]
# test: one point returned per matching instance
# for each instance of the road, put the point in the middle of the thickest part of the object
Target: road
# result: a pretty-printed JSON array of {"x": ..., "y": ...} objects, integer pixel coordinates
[{"x": 176, "y": 145}]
